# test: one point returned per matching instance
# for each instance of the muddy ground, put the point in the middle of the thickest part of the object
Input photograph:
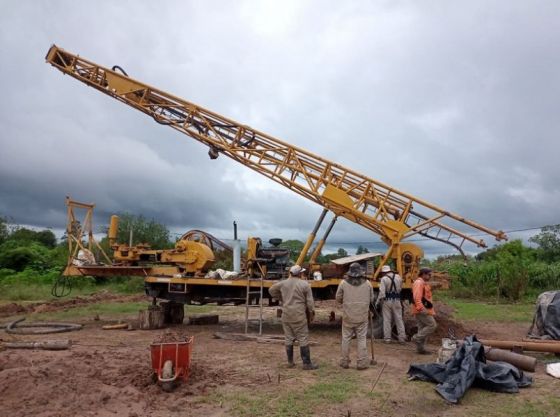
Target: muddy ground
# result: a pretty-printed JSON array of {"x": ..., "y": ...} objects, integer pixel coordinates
[{"x": 107, "y": 373}]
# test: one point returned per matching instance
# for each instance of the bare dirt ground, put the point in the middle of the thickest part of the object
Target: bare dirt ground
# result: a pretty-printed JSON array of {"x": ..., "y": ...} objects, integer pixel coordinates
[
  {"x": 107, "y": 373},
  {"x": 10, "y": 309}
]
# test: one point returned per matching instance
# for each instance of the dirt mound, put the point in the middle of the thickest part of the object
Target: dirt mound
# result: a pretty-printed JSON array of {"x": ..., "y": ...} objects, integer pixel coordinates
[
  {"x": 170, "y": 336},
  {"x": 11, "y": 309},
  {"x": 55, "y": 305},
  {"x": 116, "y": 381},
  {"x": 445, "y": 321}
]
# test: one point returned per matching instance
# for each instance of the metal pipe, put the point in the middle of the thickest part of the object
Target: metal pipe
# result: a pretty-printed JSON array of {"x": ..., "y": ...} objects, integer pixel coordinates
[
  {"x": 551, "y": 347},
  {"x": 237, "y": 256},
  {"x": 113, "y": 230},
  {"x": 311, "y": 238},
  {"x": 553, "y": 341},
  {"x": 321, "y": 242},
  {"x": 526, "y": 363}
]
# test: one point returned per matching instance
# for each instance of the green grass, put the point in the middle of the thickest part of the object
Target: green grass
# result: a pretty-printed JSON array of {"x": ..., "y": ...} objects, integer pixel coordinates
[
  {"x": 488, "y": 311},
  {"x": 330, "y": 388},
  {"x": 29, "y": 291},
  {"x": 106, "y": 310},
  {"x": 489, "y": 404}
]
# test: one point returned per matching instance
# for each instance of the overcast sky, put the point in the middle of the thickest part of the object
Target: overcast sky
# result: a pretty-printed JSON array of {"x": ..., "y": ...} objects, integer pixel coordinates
[{"x": 454, "y": 102}]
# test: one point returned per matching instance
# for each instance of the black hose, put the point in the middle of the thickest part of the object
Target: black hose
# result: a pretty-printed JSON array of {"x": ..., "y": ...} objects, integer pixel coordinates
[
  {"x": 116, "y": 67},
  {"x": 62, "y": 286},
  {"x": 51, "y": 327}
]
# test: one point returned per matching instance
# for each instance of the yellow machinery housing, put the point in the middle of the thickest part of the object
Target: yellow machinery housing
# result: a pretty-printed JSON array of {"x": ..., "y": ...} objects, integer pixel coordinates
[{"x": 189, "y": 257}]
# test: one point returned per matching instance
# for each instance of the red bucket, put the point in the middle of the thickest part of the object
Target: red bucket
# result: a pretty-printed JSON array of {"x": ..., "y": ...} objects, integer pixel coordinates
[{"x": 179, "y": 353}]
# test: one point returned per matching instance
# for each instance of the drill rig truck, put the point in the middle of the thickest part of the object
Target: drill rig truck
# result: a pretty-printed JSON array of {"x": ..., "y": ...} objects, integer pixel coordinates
[{"x": 179, "y": 274}]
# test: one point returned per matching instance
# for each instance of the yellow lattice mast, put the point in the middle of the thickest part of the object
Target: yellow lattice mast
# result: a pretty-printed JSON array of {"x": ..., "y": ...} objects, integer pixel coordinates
[{"x": 390, "y": 213}]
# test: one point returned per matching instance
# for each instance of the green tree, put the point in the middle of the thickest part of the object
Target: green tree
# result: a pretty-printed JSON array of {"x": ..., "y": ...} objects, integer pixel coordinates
[
  {"x": 22, "y": 234},
  {"x": 143, "y": 231},
  {"x": 513, "y": 260},
  {"x": 30, "y": 255},
  {"x": 548, "y": 242},
  {"x": 4, "y": 231},
  {"x": 224, "y": 260},
  {"x": 341, "y": 253},
  {"x": 295, "y": 247},
  {"x": 361, "y": 249}
]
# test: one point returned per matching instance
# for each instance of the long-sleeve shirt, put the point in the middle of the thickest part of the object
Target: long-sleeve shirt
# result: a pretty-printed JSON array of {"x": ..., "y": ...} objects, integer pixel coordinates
[
  {"x": 296, "y": 297},
  {"x": 385, "y": 292},
  {"x": 421, "y": 289},
  {"x": 355, "y": 300}
]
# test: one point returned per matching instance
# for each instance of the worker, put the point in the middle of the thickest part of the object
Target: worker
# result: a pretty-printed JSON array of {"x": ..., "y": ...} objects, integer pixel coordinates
[
  {"x": 297, "y": 310},
  {"x": 390, "y": 298},
  {"x": 356, "y": 295},
  {"x": 423, "y": 309}
]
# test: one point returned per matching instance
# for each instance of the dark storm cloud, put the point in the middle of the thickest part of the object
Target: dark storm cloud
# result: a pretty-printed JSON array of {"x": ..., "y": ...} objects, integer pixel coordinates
[{"x": 453, "y": 103}]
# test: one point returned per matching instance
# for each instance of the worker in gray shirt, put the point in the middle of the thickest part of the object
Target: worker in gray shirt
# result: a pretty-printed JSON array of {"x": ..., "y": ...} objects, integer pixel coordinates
[
  {"x": 356, "y": 295},
  {"x": 390, "y": 296},
  {"x": 297, "y": 310}
]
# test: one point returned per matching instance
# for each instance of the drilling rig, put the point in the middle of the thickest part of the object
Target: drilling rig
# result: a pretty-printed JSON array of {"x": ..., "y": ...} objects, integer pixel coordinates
[{"x": 391, "y": 214}]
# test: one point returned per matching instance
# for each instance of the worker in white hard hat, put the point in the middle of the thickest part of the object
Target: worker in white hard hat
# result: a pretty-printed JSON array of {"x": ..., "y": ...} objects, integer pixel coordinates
[
  {"x": 356, "y": 295},
  {"x": 390, "y": 288},
  {"x": 297, "y": 310}
]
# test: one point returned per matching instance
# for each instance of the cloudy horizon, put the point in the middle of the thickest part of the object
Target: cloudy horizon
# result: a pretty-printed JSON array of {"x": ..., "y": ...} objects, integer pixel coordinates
[{"x": 452, "y": 102}]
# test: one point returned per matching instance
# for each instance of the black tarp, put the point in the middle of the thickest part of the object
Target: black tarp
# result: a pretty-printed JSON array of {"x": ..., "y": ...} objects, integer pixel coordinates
[
  {"x": 467, "y": 367},
  {"x": 546, "y": 322}
]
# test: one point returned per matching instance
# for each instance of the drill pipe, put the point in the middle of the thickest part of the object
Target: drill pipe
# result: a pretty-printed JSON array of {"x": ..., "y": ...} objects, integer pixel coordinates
[
  {"x": 526, "y": 363},
  {"x": 551, "y": 347}
]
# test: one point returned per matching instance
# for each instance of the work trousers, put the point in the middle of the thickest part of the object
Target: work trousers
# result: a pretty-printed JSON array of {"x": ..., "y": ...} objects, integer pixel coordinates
[
  {"x": 392, "y": 313},
  {"x": 296, "y": 331},
  {"x": 348, "y": 331},
  {"x": 426, "y": 326}
]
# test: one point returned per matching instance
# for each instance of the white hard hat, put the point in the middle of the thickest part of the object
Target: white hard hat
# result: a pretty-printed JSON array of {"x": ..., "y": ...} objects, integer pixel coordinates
[
  {"x": 385, "y": 268},
  {"x": 296, "y": 270}
]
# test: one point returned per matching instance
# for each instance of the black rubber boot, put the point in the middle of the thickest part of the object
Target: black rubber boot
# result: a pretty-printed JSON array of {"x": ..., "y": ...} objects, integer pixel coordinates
[
  {"x": 420, "y": 349},
  {"x": 290, "y": 355},
  {"x": 306, "y": 358}
]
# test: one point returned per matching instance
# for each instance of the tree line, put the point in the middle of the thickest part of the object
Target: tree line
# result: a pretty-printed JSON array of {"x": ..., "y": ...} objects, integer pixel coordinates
[{"x": 511, "y": 270}]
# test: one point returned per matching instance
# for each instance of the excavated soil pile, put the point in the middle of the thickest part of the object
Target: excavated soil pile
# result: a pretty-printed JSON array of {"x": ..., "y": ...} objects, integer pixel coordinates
[
  {"x": 55, "y": 305},
  {"x": 444, "y": 319},
  {"x": 170, "y": 336},
  {"x": 118, "y": 381}
]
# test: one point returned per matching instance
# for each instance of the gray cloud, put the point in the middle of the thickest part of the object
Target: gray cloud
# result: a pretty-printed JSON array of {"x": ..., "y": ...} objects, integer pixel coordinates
[{"x": 453, "y": 103}]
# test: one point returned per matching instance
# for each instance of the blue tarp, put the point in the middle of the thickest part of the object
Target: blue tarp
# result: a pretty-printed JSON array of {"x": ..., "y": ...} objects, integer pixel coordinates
[{"x": 467, "y": 367}]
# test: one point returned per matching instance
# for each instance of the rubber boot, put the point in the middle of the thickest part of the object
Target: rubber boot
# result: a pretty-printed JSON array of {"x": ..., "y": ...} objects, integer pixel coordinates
[
  {"x": 306, "y": 358},
  {"x": 420, "y": 349},
  {"x": 290, "y": 355}
]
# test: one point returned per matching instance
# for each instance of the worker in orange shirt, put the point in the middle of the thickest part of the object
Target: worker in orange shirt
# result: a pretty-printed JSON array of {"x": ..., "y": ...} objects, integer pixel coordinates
[{"x": 423, "y": 309}]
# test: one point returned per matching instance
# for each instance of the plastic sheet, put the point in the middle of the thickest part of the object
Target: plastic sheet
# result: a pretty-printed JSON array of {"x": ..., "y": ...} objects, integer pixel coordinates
[
  {"x": 467, "y": 367},
  {"x": 546, "y": 322}
]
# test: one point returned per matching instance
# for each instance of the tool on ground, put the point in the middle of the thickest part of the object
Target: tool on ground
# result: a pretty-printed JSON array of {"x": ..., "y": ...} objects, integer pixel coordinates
[
  {"x": 372, "y": 361},
  {"x": 378, "y": 376},
  {"x": 118, "y": 326},
  {"x": 44, "y": 345}
]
